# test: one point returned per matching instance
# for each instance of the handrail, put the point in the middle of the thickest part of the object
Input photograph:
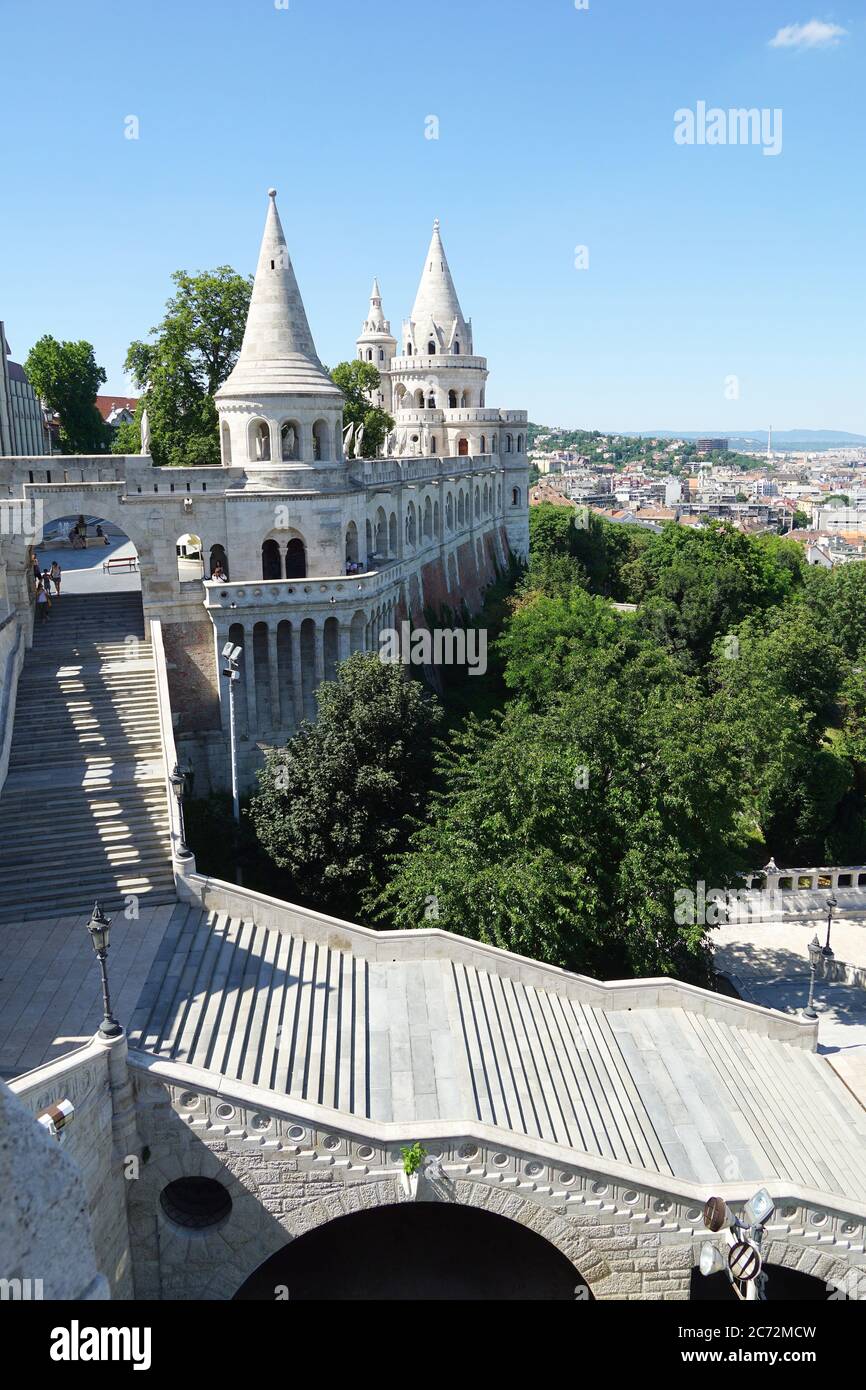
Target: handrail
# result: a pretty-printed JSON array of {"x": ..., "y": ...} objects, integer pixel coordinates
[{"x": 169, "y": 751}]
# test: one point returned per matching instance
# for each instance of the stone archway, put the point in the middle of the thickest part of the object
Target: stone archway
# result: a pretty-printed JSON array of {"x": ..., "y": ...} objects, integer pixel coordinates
[{"x": 418, "y": 1251}]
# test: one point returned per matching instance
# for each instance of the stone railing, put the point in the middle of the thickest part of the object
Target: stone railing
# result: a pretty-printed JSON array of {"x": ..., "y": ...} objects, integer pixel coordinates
[
  {"x": 12, "y": 646},
  {"x": 186, "y": 866},
  {"x": 301, "y": 593},
  {"x": 774, "y": 894},
  {"x": 432, "y": 943}
]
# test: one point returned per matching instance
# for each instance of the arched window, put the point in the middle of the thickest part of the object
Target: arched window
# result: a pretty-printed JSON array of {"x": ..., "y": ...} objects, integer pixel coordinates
[
  {"x": 431, "y": 402},
  {"x": 410, "y": 524},
  {"x": 320, "y": 440},
  {"x": 190, "y": 564},
  {"x": 392, "y": 534},
  {"x": 432, "y": 443},
  {"x": 457, "y": 347},
  {"x": 290, "y": 441},
  {"x": 452, "y": 400},
  {"x": 296, "y": 559},
  {"x": 419, "y": 399},
  {"x": 351, "y": 544},
  {"x": 225, "y": 436},
  {"x": 499, "y": 497},
  {"x": 466, "y": 398},
  {"x": 271, "y": 564},
  {"x": 381, "y": 354},
  {"x": 477, "y": 504},
  {"x": 436, "y": 518},
  {"x": 218, "y": 559},
  {"x": 369, "y": 354},
  {"x": 399, "y": 394},
  {"x": 428, "y": 519},
  {"x": 461, "y": 511},
  {"x": 260, "y": 441},
  {"x": 484, "y": 444},
  {"x": 408, "y": 349},
  {"x": 520, "y": 444},
  {"x": 369, "y": 539},
  {"x": 381, "y": 533},
  {"x": 462, "y": 446},
  {"x": 431, "y": 348},
  {"x": 449, "y": 513},
  {"x": 508, "y": 443},
  {"x": 515, "y": 497}
]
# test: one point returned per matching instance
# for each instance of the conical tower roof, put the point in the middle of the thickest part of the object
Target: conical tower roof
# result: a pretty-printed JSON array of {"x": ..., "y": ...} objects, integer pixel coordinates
[
  {"x": 375, "y": 324},
  {"x": 278, "y": 356},
  {"x": 436, "y": 300}
]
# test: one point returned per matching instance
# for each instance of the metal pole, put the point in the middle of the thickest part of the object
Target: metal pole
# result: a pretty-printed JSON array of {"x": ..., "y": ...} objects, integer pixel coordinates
[
  {"x": 236, "y": 805},
  {"x": 809, "y": 1011},
  {"x": 109, "y": 1028}
]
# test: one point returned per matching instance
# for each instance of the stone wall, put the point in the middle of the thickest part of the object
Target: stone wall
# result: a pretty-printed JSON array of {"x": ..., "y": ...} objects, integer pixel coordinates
[
  {"x": 288, "y": 1173},
  {"x": 193, "y": 681},
  {"x": 98, "y": 1140}
]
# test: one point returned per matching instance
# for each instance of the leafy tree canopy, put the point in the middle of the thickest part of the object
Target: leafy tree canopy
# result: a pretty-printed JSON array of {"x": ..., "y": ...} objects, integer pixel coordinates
[
  {"x": 334, "y": 802},
  {"x": 67, "y": 377},
  {"x": 357, "y": 380},
  {"x": 189, "y": 356}
]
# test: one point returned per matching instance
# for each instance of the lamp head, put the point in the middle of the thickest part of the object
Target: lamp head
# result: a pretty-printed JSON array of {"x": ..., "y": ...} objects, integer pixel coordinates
[{"x": 99, "y": 927}]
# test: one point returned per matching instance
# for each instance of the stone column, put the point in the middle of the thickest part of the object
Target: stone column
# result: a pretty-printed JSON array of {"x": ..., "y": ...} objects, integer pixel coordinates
[
  {"x": 273, "y": 672},
  {"x": 297, "y": 682},
  {"x": 319, "y": 668}
]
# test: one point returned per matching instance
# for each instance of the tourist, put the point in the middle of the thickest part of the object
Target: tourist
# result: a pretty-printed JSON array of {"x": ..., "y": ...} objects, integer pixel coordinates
[
  {"x": 56, "y": 576},
  {"x": 100, "y": 535},
  {"x": 46, "y": 581},
  {"x": 218, "y": 573},
  {"x": 37, "y": 573},
  {"x": 43, "y": 603}
]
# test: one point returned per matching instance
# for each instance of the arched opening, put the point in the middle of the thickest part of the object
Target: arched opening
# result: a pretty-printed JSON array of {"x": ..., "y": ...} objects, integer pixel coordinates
[
  {"x": 456, "y": 348},
  {"x": 419, "y": 1251},
  {"x": 462, "y": 447},
  {"x": 477, "y": 504},
  {"x": 466, "y": 398},
  {"x": 520, "y": 444},
  {"x": 449, "y": 513},
  {"x": 452, "y": 400},
  {"x": 419, "y": 399},
  {"x": 781, "y": 1285},
  {"x": 436, "y": 518},
  {"x": 87, "y": 554},
  {"x": 461, "y": 511},
  {"x": 271, "y": 564},
  {"x": 260, "y": 441},
  {"x": 296, "y": 559},
  {"x": 411, "y": 532},
  {"x": 484, "y": 444},
  {"x": 381, "y": 534},
  {"x": 320, "y": 440},
  {"x": 351, "y": 544},
  {"x": 196, "y": 1204},
  {"x": 431, "y": 348},
  {"x": 381, "y": 354},
  {"x": 190, "y": 560},
  {"x": 331, "y": 647},
  {"x": 428, "y": 519},
  {"x": 290, "y": 441},
  {"x": 508, "y": 443},
  {"x": 515, "y": 497},
  {"x": 392, "y": 534},
  {"x": 219, "y": 563},
  {"x": 369, "y": 354},
  {"x": 431, "y": 401},
  {"x": 399, "y": 394},
  {"x": 226, "y": 441}
]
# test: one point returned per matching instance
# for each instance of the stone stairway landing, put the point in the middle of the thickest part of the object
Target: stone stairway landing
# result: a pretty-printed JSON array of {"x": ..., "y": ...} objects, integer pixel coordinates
[{"x": 83, "y": 812}]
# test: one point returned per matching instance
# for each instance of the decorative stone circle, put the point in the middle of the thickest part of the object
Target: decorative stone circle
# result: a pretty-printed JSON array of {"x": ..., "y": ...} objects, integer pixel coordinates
[
  {"x": 225, "y": 1111},
  {"x": 332, "y": 1142},
  {"x": 189, "y": 1100},
  {"x": 297, "y": 1132},
  {"x": 468, "y": 1150},
  {"x": 365, "y": 1151},
  {"x": 260, "y": 1122},
  {"x": 501, "y": 1160}
]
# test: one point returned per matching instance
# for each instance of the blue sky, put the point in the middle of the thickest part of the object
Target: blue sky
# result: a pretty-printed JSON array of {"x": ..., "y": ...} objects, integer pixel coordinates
[{"x": 555, "y": 131}]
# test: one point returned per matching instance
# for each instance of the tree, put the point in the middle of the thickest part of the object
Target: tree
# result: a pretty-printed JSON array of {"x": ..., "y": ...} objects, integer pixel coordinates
[
  {"x": 67, "y": 377},
  {"x": 193, "y": 351},
  {"x": 357, "y": 380},
  {"x": 334, "y": 802}
]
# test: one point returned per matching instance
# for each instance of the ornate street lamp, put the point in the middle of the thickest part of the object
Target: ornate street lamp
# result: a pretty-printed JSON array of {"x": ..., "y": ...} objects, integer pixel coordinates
[
  {"x": 832, "y": 904},
  {"x": 815, "y": 958},
  {"x": 742, "y": 1261},
  {"x": 178, "y": 785},
  {"x": 99, "y": 927}
]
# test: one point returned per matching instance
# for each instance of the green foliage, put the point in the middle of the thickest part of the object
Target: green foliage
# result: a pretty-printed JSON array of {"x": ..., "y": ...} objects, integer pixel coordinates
[
  {"x": 67, "y": 377},
  {"x": 192, "y": 352},
  {"x": 837, "y": 597},
  {"x": 357, "y": 380},
  {"x": 413, "y": 1157},
  {"x": 334, "y": 803}
]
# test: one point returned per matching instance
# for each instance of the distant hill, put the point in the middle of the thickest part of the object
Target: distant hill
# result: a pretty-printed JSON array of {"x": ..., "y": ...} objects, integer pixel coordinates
[{"x": 782, "y": 439}]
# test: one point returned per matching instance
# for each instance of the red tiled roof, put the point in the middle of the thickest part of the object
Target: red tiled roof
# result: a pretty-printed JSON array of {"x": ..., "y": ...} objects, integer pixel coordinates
[{"x": 105, "y": 404}]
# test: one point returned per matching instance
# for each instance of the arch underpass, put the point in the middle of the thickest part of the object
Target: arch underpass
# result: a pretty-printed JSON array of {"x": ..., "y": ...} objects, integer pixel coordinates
[{"x": 427, "y": 1251}]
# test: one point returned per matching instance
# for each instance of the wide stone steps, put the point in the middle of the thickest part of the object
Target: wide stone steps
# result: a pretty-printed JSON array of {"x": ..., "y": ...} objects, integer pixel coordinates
[{"x": 83, "y": 812}]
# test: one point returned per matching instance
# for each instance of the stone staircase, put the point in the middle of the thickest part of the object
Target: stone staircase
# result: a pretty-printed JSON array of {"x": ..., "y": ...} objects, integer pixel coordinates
[{"x": 83, "y": 811}]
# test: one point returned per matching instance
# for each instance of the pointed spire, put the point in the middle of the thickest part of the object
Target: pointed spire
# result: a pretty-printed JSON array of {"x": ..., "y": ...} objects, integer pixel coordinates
[
  {"x": 278, "y": 356},
  {"x": 436, "y": 303}
]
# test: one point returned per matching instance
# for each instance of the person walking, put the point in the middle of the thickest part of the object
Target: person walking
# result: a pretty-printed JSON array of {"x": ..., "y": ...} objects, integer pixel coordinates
[
  {"x": 43, "y": 603},
  {"x": 46, "y": 581},
  {"x": 56, "y": 576}
]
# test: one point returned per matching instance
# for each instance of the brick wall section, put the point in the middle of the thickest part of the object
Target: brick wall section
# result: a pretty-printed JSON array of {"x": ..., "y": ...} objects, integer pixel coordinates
[{"x": 192, "y": 675}]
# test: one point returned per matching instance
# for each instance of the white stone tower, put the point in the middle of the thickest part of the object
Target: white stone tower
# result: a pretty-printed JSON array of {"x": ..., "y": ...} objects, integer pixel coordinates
[
  {"x": 279, "y": 410},
  {"x": 377, "y": 345}
]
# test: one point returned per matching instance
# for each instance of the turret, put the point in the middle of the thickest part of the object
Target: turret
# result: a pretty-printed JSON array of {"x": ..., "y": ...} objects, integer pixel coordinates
[
  {"x": 377, "y": 345},
  {"x": 279, "y": 407}
]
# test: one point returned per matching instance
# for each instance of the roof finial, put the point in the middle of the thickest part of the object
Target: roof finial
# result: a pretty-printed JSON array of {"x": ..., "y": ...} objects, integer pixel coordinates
[
  {"x": 272, "y": 193},
  {"x": 435, "y": 224}
]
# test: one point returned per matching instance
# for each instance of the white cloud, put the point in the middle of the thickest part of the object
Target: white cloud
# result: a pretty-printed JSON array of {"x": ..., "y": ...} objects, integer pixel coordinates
[{"x": 815, "y": 34}]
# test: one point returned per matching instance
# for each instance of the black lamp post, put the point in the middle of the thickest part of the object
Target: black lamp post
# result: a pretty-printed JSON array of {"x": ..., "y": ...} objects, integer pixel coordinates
[
  {"x": 99, "y": 927},
  {"x": 826, "y": 950},
  {"x": 815, "y": 958},
  {"x": 178, "y": 785}
]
